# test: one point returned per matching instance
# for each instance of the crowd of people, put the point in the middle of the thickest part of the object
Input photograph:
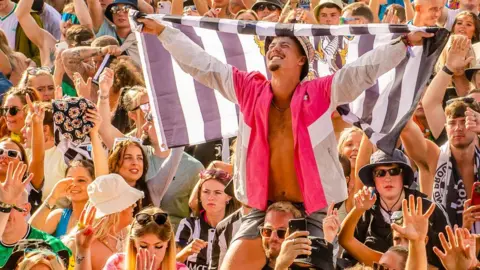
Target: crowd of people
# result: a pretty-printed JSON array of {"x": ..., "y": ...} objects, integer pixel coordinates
[{"x": 86, "y": 184}]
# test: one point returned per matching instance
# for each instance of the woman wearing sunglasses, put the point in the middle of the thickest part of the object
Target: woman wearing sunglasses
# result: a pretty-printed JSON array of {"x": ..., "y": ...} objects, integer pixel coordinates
[
  {"x": 13, "y": 112},
  {"x": 136, "y": 105},
  {"x": 195, "y": 234}
]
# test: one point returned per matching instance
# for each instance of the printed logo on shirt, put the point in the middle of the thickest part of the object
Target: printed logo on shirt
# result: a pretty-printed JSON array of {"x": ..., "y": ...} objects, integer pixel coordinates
[{"x": 194, "y": 266}]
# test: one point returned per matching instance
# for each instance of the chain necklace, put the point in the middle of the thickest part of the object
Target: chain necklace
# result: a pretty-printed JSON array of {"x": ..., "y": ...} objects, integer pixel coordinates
[{"x": 278, "y": 108}]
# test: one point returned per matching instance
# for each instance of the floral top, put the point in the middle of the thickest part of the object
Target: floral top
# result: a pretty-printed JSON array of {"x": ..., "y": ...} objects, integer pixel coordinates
[{"x": 116, "y": 262}]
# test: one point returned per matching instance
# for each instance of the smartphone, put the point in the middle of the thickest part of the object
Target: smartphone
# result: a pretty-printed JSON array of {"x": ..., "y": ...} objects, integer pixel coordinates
[
  {"x": 476, "y": 194},
  {"x": 294, "y": 225},
  {"x": 164, "y": 7},
  {"x": 61, "y": 45}
]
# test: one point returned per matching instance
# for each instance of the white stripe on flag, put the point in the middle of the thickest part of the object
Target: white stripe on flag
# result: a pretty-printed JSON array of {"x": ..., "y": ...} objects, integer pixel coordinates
[
  {"x": 254, "y": 60},
  {"x": 192, "y": 20},
  {"x": 190, "y": 106},
  {"x": 228, "y": 113},
  {"x": 265, "y": 28},
  {"x": 357, "y": 105},
  {"x": 228, "y": 26}
]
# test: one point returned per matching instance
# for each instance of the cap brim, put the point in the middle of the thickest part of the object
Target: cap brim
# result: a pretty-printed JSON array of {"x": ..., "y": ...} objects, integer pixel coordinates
[
  {"x": 366, "y": 173},
  {"x": 469, "y": 72},
  {"x": 118, "y": 204}
]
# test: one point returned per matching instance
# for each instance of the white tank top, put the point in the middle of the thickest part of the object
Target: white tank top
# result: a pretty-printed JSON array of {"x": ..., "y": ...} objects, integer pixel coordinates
[{"x": 9, "y": 25}]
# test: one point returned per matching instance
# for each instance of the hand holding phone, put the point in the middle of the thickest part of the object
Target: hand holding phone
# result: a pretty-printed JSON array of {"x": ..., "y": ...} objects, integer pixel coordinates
[
  {"x": 476, "y": 194},
  {"x": 297, "y": 225}
]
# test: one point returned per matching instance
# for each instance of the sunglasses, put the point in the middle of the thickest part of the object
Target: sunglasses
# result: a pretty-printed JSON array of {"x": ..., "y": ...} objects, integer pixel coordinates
[
  {"x": 270, "y": 7},
  {"x": 377, "y": 266},
  {"x": 391, "y": 172},
  {"x": 215, "y": 174},
  {"x": 123, "y": 139},
  {"x": 159, "y": 218},
  {"x": 144, "y": 107},
  {"x": 10, "y": 110},
  {"x": 10, "y": 153},
  {"x": 35, "y": 70},
  {"x": 397, "y": 218},
  {"x": 70, "y": 17},
  {"x": 117, "y": 9},
  {"x": 267, "y": 232},
  {"x": 468, "y": 100}
]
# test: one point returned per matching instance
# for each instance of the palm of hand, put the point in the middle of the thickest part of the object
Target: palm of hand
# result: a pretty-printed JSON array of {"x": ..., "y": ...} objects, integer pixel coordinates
[{"x": 415, "y": 228}]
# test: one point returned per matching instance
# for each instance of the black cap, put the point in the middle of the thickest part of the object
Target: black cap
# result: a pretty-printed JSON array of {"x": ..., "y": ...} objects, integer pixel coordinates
[
  {"x": 277, "y": 3},
  {"x": 108, "y": 10}
]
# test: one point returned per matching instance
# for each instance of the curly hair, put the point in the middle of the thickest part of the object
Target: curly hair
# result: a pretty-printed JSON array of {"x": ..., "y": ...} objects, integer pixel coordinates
[{"x": 127, "y": 74}]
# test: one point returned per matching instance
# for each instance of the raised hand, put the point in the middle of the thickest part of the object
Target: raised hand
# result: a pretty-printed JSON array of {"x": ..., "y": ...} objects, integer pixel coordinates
[
  {"x": 94, "y": 117},
  {"x": 105, "y": 82},
  {"x": 294, "y": 245},
  {"x": 85, "y": 232},
  {"x": 331, "y": 224},
  {"x": 457, "y": 58},
  {"x": 213, "y": 13},
  {"x": 472, "y": 120},
  {"x": 415, "y": 223},
  {"x": 145, "y": 260},
  {"x": 273, "y": 17},
  {"x": 37, "y": 112},
  {"x": 196, "y": 246},
  {"x": 112, "y": 50},
  {"x": 61, "y": 188},
  {"x": 83, "y": 87},
  {"x": 151, "y": 26},
  {"x": 457, "y": 252},
  {"x": 364, "y": 200},
  {"x": 14, "y": 185}
]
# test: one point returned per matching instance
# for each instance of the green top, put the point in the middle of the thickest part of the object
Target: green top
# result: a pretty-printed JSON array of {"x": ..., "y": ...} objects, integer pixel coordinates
[
  {"x": 56, "y": 245},
  {"x": 68, "y": 90}
]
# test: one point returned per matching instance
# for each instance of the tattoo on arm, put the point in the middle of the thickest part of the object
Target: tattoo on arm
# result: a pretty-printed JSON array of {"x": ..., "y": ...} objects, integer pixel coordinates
[
  {"x": 73, "y": 58},
  {"x": 79, "y": 259}
]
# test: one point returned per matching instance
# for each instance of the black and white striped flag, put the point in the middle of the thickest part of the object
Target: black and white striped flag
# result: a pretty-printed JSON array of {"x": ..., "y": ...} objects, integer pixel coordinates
[{"x": 189, "y": 113}]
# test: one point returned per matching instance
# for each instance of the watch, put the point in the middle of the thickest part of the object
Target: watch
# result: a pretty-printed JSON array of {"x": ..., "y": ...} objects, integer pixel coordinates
[{"x": 5, "y": 207}]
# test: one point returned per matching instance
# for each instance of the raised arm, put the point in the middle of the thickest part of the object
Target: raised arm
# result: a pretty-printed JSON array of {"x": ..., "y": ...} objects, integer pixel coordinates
[
  {"x": 409, "y": 10},
  {"x": 365, "y": 150},
  {"x": 177, "y": 7},
  {"x": 346, "y": 238},
  {"x": 145, "y": 7},
  {"x": 96, "y": 13},
  {"x": 73, "y": 59},
  {"x": 100, "y": 158},
  {"x": 81, "y": 10},
  {"x": 432, "y": 101},
  {"x": 203, "y": 67},
  {"x": 350, "y": 81},
  {"x": 423, "y": 152},
  {"x": 36, "y": 166},
  {"x": 202, "y": 6}
]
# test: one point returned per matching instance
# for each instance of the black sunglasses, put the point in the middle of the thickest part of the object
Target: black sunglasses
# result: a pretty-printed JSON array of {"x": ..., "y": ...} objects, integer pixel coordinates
[
  {"x": 270, "y": 7},
  {"x": 377, "y": 266},
  {"x": 267, "y": 232},
  {"x": 10, "y": 110},
  {"x": 159, "y": 218},
  {"x": 468, "y": 100},
  {"x": 391, "y": 172}
]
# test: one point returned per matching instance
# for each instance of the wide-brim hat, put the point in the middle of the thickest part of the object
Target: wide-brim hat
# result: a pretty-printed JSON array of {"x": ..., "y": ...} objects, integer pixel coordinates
[
  {"x": 471, "y": 71},
  {"x": 381, "y": 158},
  {"x": 111, "y": 194},
  {"x": 277, "y": 3},
  {"x": 108, "y": 10},
  {"x": 307, "y": 49},
  {"x": 25, "y": 245},
  {"x": 316, "y": 10}
]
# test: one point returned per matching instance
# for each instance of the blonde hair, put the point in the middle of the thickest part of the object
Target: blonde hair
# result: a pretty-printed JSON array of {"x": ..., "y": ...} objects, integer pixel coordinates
[
  {"x": 26, "y": 77},
  {"x": 132, "y": 97},
  {"x": 163, "y": 232},
  {"x": 344, "y": 136},
  {"x": 111, "y": 221},
  {"x": 41, "y": 256}
]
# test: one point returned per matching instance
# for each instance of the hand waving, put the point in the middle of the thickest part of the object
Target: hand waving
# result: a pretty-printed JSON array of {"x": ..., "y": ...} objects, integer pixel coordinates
[
  {"x": 457, "y": 58},
  {"x": 86, "y": 233},
  {"x": 83, "y": 87},
  {"x": 415, "y": 223},
  {"x": 14, "y": 185},
  {"x": 472, "y": 120},
  {"x": 457, "y": 253},
  {"x": 37, "y": 112},
  {"x": 331, "y": 224},
  {"x": 363, "y": 199},
  {"x": 105, "y": 82},
  {"x": 94, "y": 117}
]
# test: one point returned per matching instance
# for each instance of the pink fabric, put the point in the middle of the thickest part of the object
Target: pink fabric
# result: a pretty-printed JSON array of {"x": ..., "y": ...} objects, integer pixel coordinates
[
  {"x": 309, "y": 102},
  {"x": 117, "y": 261}
]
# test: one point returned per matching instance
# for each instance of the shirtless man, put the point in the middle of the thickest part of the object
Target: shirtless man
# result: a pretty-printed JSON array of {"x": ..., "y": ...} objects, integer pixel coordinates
[{"x": 286, "y": 148}]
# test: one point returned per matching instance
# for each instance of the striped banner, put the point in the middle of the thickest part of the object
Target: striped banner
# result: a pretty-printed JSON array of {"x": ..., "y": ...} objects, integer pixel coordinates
[{"x": 189, "y": 113}]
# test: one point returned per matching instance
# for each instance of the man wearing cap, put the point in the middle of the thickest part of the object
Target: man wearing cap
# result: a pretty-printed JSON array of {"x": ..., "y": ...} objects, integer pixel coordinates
[
  {"x": 268, "y": 10},
  {"x": 328, "y": 12},
  {"x": 390, "y": 176},
  {"x": 286, "y": 147}
]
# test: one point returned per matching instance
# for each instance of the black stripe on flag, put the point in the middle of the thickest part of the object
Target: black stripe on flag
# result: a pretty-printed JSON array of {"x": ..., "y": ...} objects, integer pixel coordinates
[
  {"x": 284, "y": 29},
  {"x": 359, "y": 29},
  {"x": 209, "y": 23},
  {"x": 173, "y": 19},
  {"x": 247, "y": 27},
  {"x": 207, "y": 102},
  {"x": 320, "y": 30},
  {"x": 398, "y": 28},
  {"x": 171, "y": 112},
  {"x": 365, "y": 44}
]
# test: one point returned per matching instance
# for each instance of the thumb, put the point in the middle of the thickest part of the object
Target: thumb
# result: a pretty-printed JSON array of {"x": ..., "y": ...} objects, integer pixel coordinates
[
  {"x": 398, "y": 228},
  {"x": 469, "y": 59}
]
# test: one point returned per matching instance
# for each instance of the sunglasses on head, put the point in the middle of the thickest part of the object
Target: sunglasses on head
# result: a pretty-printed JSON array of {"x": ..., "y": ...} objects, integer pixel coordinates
[
  {"x": 159, "y": 218},
  {"x": 267, "y": 232},
  {"x": 270, "y": 7},
  {"x": 468, "y": 100},
  {"x": 10, "y": 110},
  {"x": 10, "y": 153},
  {"x": 377, "y": 266},
  {"x": 215, "y": 174},
  {"x": 117, "y": 9},
  {"x": 391, "y": 172},
  {"x": 35, "y": 70},
  {"x": 70, "y": 17}
]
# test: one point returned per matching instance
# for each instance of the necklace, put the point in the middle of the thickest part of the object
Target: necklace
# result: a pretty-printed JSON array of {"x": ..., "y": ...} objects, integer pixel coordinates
[
  {"x": 278, "y": 108},
  {"x": 389, "y": 211}
]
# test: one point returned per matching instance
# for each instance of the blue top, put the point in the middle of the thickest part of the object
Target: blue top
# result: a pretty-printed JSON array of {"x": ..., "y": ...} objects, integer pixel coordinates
[{"x": 63, "y": 223}]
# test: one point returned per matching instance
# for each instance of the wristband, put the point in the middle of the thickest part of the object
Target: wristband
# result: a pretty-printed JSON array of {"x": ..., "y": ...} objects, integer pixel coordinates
[
  {"x": 104, "y": 97},
  {"x": 5, "y": 209},
  {"x": 447, "y": 70},
  {"x": 408, "y": 44}
]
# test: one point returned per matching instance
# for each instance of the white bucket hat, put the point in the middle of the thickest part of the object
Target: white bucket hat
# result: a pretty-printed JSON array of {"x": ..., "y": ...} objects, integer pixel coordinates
[{"x": 111, "y": 194}]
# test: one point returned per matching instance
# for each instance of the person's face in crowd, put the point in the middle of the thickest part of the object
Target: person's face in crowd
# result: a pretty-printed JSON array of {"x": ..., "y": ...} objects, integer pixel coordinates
[
  {"x": 392, "y": 260},
  {"x": 399, "y": 239},
  {"x": 329, "y": 16},
  {"x": 213, "y": 197},
  {"x": 247, "y": 16},
  {"x": 284, "y": 53},
  {"x": 5, "y": 159},
  {"x": 429, "y": 11},
  {"x": 476, "y": 80},
  {"x": 16, "y": 218},
  {"x": 464, "y": 26},
  {"x": 81, "y": 180},
  {"x": 149, "y": 133},
  {"x": 138, "y": 115},
  {"x": 354, "y": 19},
  {"x": 154, "y": 245},
  {"x": 44, "y": 86},
  {"x": 388, "y": 186},
  {"x": 458, "y": 135},
  {"x": 351, "y": 146},
  {"x": 14, "y": 122},
  {"x": 132, "y": 164},
  {"x": 120, "y": 17},
  {"x": 274, "y": 220},
  {"x": 266, "y": 9},
  {"x": 105, "y": 3},
  {"x": 470, "y": 5}
]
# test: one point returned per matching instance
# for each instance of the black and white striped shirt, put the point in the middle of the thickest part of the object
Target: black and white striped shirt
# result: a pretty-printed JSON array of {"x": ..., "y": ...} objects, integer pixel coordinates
[
  {"x": 196, "y": 228},
  {"x": 226, "y": 230}
]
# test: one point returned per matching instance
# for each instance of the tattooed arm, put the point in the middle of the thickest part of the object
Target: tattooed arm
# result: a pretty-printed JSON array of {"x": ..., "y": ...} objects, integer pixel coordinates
[{"x": 73, "y": 60}]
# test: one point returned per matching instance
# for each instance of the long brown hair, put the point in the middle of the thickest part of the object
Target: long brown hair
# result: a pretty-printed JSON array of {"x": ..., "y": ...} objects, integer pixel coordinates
[
  {"x": 5, "y": 48},
  {"x": 476, "y": 23},
  {"x": 163, "y": 232},
  {"x": 115, "y": 162}
]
